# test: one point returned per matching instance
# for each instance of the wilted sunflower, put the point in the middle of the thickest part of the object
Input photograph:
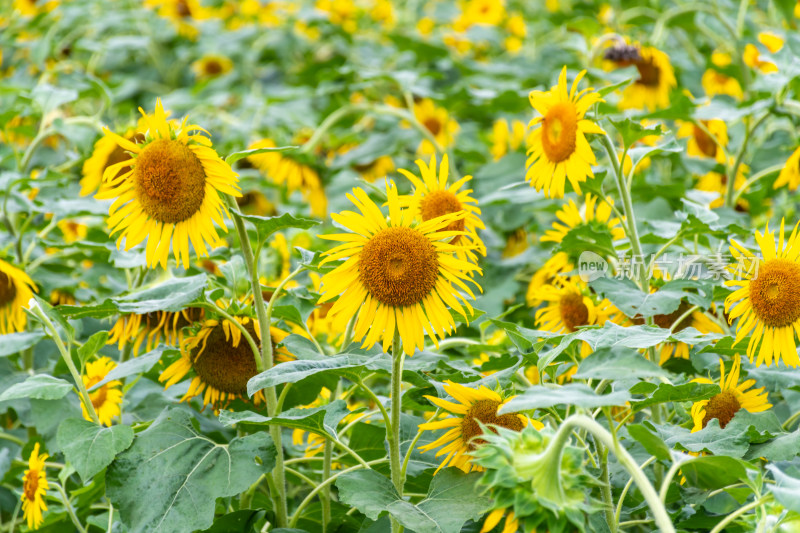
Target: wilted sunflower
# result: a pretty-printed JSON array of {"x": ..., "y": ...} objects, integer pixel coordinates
[
  {"x": 438, "y": 122},
  {"x": 767, "y": 302},
  {"x": 474, "y": 406},
  {"x": 107, "y": 399},
  {"x": 656, "y": 80},
  {"x": 171, "y": 193},
  {"x": 295, "y": 175},
  {"x": 211, "y": 66},
  {"x": 397, "y": 274},
  {"x": 572, "y": 217},
  {"x": 16, "y": 289},
  {"x": 34, "y": 489},
  {"x": 733, "y": 397},
  {"x": 434, "y": 197},
  {"x": 155, "y": 327},
  {"x": 715, "y": 82},
  {"x": 506, "y": 138},
  {"x": 222, "y": 361},
  {"x": 557, "y": 148},
  {"x": 107, "y": 152},
  {"x": 790, "y": 173},
  {"x": 701, "y": 144}
]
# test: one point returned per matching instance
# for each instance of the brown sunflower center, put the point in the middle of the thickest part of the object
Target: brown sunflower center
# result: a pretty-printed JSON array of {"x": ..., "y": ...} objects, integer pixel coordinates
[
  {"x": 775, "y": 292},
  {"x": 213, "y": 67},
  {"x": 649, "y": 73},
  {"x": 8, "y": 291},
  {"x": 224, "y": 366},
  {"x": 169, "y": 180},
  {"x": 399, "y": 266},
  {"x": 433, "y": 125},
  {"x": 485, "y": 412},
  {"x": 722, "y": 407},
  {"x": 560, "y": 128},
  {"x": 574, "y": 312},
  {"x": 438, "y": 203},
  {"x": 705, "y": 142},
  {"x": 183, "y": 9},
  {"x": 31, "y": 484}
]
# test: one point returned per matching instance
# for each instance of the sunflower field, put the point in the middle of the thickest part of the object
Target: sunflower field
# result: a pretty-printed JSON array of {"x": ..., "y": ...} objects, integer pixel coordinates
[{"x": 366, "y": 266}]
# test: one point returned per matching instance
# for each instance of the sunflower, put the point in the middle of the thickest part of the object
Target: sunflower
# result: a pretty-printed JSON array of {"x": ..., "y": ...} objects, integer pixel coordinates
[
  {"x": 474, "y": 406},
  {"x": 31, "y": 8},
  {"x": 569, "y": 305},
  {"x": 515, "y": 25},
  {"x": 511, "y": 524},
  {"x": 717, "y": 182},
  {"x": 255, "y": 203},
  {"x": 571, "y": 217},
  {"x": 34, "y": 489},
  {"x": 343, "y": 13},
  {"x": 558, "y": 150},
  {"x": 16, "y": 289},
  {"x": 656, "y": 80},
  {"x": 767, "y": 300},
  {"x": 108, "y": 152},
  {"x": 107, "y": 399},
  {"x": 211, "y": 66},
  {"x": 402, "y": 273},
  {"x": 438, "y": 122},
  {"x": 733, "y": 397},
  {"x": 182, "y": 13},
  {"x": 516, "y": 243},
  {"x": 557, "y": 266},
  {"x": 296, "y": 176},
  {"x": 72, "y": 231},
  {"x": 375, "y": 169},
  {"x": 715, "y": 82},
  {"x": 790, "y": 173},
  {"x": 222, "y": 362},
  {"x": 434, "y": 197},
  {"x": 753, "y": 59},
  {"x": 61, "y": 297},
  {"x": 382, "y": 12},
  {"x": 171, "y": 193},
  {"x": 703, "y": 145},
  {"x": 154, "y": 327},
  {"x": 506, "y": 138},
  {"x": 483, "y": 12}
]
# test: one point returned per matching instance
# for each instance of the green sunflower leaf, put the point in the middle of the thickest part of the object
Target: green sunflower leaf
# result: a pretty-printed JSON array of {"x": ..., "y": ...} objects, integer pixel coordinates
[
  {"x": 171, "y": 295},
  {"x": 236, "y": 156},
  {"x": 40, "y": 387},
  {"x": 12, "y": 343},
  {"x": 89, "y": 447},
  {"x": 321, "y": 420},
  {"x": 617, "y": 363},
  {"x": 266, "y": 226},
  {"x": 665, "y": 392},
  {"x": 92, "y": 345},
  {"x": 576, "y": 394}
]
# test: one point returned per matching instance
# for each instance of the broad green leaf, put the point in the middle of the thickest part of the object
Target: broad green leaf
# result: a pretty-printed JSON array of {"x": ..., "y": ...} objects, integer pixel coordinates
[
  {"x": 613, "y": 335},
  {"x": 587, "y": 237},
  {"x": 242, "y": 521},
  {"x": 89, "y": 447},
  {"x": 322, "y": 420},
  {"x": 786, "y": 489},
  {"x": 171, "y": 295},
  {"x": 370, "y": 502},
  {"x": 617, "y": 363},
  {"x": 171, "y": 476},
  {"x": 48, "y": 97},
  {"x": 665, "y": 392},
  {"x": 624, "y": 294},
  {"x": 55, "y": 316},
  {"x": 12, "y": 343},
  {"x": 92, "y": 345},
  {"x": 101, "y": 310},
  {"x": 40, "y": 387},
  {"x": 632, "y": 131},
  {"x": 236, "y": 156},
  {"x": 714, "y": 471},
  {"x": 294, "y": 371},
  {"x": 650, "y": 440},
  {"x": 711, "y": 438},
  {"x": 266, "y": 226},
  {"x": 576, "y": 394}
]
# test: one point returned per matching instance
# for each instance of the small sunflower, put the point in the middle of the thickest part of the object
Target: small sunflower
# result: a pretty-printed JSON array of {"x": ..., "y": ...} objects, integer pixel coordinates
[
  {"x": 434, "y": 196},
  {"x": 656, "y": 80},
  {"x": 718, "y": 183},
  {"x": 715, "y": 82},
  {"x": 16, "y": 289},
  {"x": 767, "y": 300},
  {"x": 155, "y": 327},
  {"x": 376, "y": 169},
  {"x": 506, "y": 138},
  {"x": 211, "y": 66},
  {"x": 733, "y": 397},
  {"x": 752, "y": 56},
  {"x": 397, "y": 274},
  {"x": 107, "y": 399},
  {"x": 516, "y": 243},
  {"x": 172, "y": 192},
  {"x": 517, "y": 29},
  {"x": 296, "y": 176},
  {"x": 222, "y": 362},
  {"x": 790, "y": 173},
  {"x": 72, "y": 230},
  {"x": 569, "y": 305},
  {"x": 593, "y": 213},
  {"x": 703, "y": 145},
  {"x": 554, "y": 268},
  {"x": 463, "y": 430},
  {"x": 31, "y": 8},
  {"x": 438, "y": 122},
  {"x": 61, "y": 297},
  {"x": 34, "y": 489},
  {"x": 342, "y": 13},
  {"x": 557, "y": 148},
  {"x": 483, "y": 12},
  {"x": 255, "y": 203}
]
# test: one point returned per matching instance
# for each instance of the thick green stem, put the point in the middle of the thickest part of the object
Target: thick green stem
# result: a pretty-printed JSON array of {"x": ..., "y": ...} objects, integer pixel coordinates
[
  {"x": 393, "y": 433},
  {"x": 70, "y": 510}
]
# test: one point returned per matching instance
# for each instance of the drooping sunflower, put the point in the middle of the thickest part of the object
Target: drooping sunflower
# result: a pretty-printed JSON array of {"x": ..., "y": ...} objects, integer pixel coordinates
[
  {"x": 295, "y": 175},
  {"x": 438, "y": 122},
  {"x": 593, "y": 213},
  {"x": 34, "y": 489},
  {"x": 172, "y": 192},
  {"x": 255, "y": 203},
  {"x": 434, "y": 196},
  {"x": 211, "y": 66},
  {"x": 16, "y": 289},
  {"x": 715, "y": 82},
  {"x": 155, "y": 327},
  {"x": 506, "y": 137},
  {"x": 703, "y": 145},
  {"x": 222, "y": 362},
  {"x": 397, "y": 274},
  {"x": 108, "y": 398},
  {"x": 557, "y": 148},
  {"x": 463, "y": 429},
  {"x": 790, "y": 173},
  {"x": 767, "y": 300},
  {"x": 733, "y": 397}
]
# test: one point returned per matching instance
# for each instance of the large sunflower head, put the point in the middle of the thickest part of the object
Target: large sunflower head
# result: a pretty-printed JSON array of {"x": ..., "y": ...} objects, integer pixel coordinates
[
  {"x": 475, "y": 407},
  {"x": 767, "y": 297},
  {"x": 171, "y": 192},
  {"x": 16, "y": 289},
  {"x": 34, "y": 489},
  {"x": 732, "y": 397},
  {"x": 398, "y": 274},
  {"x": 707, "y": 139},
  {"x": 154, "y": 328},
  {"x": 595, "y": 214},
  {"x": 107, "y": 399},
  {"x": 557, "y": 147},
  {"x": 438, "y": 122},
  {"x": 656, "y": 80},
  {"x": 434, "y": 196}
]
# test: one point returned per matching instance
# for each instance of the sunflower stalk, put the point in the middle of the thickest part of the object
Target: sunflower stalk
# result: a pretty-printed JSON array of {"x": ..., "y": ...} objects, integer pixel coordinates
[
  {"x": 393, "y": 432},
  {"x": 730, "y": 190}
]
